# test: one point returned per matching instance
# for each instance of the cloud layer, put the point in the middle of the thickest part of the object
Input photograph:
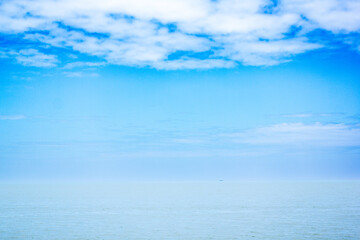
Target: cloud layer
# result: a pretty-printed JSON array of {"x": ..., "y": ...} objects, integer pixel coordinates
[
  {"x": 177, "y": 34},
  {"x": 310, "y": 135},
  {"x": 11, "y": 117}
]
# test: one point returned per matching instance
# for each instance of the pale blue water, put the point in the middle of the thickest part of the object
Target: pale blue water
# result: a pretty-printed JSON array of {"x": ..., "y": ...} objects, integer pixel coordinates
[{"x": 192, "y": 210}]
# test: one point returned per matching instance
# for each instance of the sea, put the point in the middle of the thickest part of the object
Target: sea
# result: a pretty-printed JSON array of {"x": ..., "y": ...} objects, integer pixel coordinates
[{"x": 221, "y": 210}]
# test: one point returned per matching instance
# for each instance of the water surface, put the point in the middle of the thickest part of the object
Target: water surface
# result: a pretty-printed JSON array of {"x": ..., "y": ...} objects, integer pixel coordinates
[{"x": 181, "y": 210}]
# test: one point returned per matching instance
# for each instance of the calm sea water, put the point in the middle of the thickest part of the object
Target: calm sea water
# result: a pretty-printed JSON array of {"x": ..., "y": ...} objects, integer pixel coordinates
[{"x": 191, "y": 210}]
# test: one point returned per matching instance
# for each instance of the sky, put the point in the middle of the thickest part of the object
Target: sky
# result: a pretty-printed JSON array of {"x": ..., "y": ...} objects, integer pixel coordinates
[{"x": 179, "y": 89}]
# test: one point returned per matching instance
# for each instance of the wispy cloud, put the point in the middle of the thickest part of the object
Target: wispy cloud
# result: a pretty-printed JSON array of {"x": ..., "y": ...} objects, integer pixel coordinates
[
  {"x": 148, "y": 33},
  {"x": 313, "y": 135},
  {"x": 309, "y": 115},
  {"x": 32, "y": 57},
  {"x": 83, "y": 64},
  {"x": 11, "y": 117},
  {"x": 81, "y": 74},
  {"x": 300, "y": 115}
]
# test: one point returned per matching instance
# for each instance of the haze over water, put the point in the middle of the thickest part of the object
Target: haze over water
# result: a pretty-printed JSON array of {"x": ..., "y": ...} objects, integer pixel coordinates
[{"x": 317, "y": 210}]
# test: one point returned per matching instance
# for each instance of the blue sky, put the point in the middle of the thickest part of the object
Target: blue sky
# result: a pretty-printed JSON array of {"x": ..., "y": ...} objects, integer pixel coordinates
[{"x": 179, "y": 90}]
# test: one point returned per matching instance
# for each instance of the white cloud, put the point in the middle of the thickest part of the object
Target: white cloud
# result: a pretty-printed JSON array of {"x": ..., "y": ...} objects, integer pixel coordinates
[
  {"x": 333, "y": 15},
  {"x": 83, "y": 64},
  {"x": 11, "y": 117},
  {"x": 258, "y": 53},
  {"x": 300, "y": 115},
  {"x": 81, "y": 74},
  {"x": 146, "y": 33},
  {"x": 194, "y": 63},
  {"x": 32, "y": 57},
  {"x": 324, "y": 135},
  {"x": 308, "y": 115}
]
